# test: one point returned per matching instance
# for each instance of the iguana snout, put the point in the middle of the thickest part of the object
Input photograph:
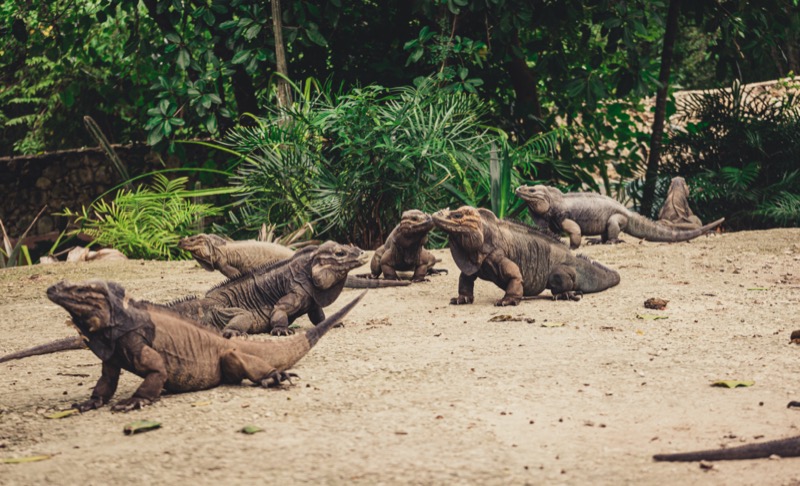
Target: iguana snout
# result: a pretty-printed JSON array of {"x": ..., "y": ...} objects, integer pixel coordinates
[
  {"x": 87, "y": 303},
  {"x": 465, "y": 219},
  {"x": 332, "y": 261},
  {"x": 535, "y": 196},
  {"x": 416, "y": 221}
]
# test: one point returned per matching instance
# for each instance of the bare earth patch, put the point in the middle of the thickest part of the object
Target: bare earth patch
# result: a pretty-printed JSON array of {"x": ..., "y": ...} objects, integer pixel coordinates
[{"x": 413, "y": 390}]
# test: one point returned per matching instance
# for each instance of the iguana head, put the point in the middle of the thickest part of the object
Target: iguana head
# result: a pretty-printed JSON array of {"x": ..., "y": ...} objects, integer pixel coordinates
[
  {"x": 203, "y": 248},
  {"x": 331, "y": 261},
  {"x": 678, "y": 187},
  {"x": 88, "y": 303},
  {"x": 415, "y": 222},
  {"x": 537, "y": 197},
  {"x": 464, "y": 224}
]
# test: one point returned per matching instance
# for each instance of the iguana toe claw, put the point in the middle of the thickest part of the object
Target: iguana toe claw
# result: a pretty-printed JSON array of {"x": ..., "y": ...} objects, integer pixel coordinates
[
  {"x": 90, "y": 404},
  {"x": 281, "y": 331},
  {"x": 232, "y": 333},
  {"x": 507, "y": 301},
  {"x": 132, "y": 403},
  {"x": 276, "y": 378},
  {"x": 461, "y": 300},
  {"x": 571, "y": 295},
  {"x": 437, "y": 271},
  {"x": 418, "y": 280}
]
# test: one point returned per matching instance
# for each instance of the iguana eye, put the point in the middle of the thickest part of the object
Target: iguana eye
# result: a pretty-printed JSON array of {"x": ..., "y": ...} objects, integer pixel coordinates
[
  {"x": 340, "y": 253},
  {"x": 456, "y": 215}
]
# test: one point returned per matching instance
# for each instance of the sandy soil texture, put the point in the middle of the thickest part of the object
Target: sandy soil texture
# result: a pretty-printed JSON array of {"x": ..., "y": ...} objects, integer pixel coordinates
[{"x": 413, "y": 390}]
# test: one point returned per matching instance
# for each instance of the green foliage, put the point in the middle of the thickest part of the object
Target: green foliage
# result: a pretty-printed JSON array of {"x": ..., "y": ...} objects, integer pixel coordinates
[
  {"x": 353, "y": 162},
  {"x": 739, "y": 154},
  {"x": 17, "y": 254},
  {"x": 146, "y": 222}
]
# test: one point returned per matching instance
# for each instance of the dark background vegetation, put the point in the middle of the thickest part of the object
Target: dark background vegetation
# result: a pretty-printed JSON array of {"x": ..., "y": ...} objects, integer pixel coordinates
[{"x": 423, "y": 103}]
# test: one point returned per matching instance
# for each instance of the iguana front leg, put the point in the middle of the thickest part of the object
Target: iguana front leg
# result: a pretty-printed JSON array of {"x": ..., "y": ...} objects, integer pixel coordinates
[
  {"x": 573, "y": 231},
  {"x": 426, "y": 262},
  {"x": 375, "y": 264},
  {"x": 290, "y": 304},
  {"x": 510, "y": 271},
  {"x": 103, "y": 391},
  {"x": 147, "y": 361},
  {"x": 616, "y": 223},
  {"x": 466, "y": 286}
]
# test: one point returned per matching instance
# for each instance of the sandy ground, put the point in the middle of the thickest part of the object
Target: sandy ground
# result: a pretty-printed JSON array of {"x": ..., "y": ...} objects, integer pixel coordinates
[{"x": 413, "y": 390}]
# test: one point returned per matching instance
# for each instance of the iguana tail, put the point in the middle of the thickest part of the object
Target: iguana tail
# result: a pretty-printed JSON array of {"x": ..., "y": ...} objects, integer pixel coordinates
[
  {"x": 594, "y": 276},
  {"x": 354, "y": 282},
  {"x": 784, "y": 448},
  {"x": 65, "y": 344},
  {"x": 643, "y": 228},
  {"x": 314, "y": 335}
]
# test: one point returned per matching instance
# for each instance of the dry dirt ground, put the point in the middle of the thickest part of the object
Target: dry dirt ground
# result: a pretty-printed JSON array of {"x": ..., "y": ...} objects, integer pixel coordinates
[{"x": 413, "y": 390}]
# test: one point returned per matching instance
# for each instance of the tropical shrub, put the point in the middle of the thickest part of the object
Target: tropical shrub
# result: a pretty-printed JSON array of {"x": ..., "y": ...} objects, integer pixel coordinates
[
  {"x": 352, "y": 162},
  {"x": 146, "y": 222},
  {"x": 739, "y": 153}
]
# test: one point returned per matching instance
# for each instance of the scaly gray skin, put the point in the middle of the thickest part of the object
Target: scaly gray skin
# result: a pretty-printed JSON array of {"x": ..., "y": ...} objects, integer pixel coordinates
[
  {"x": 167, "y": 350},
  {"x": 404, "y": 249},
  {"x": 232, "y": 258},
  {"x": 783, "y": 447},
  {"x": 585, "y": 213},
  {"x": 676, "y": 213},
  {"x": 270, "y": 298},
  {"x": 521, "y": 260}
]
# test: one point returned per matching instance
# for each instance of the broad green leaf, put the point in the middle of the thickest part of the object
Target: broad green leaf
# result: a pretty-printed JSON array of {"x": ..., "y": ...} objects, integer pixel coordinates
[
  {"x": 733, "y": 383},
  {"x": 62, "y": 414},
  {"x": 140, "y": 426},
  {"x": 250, "y": 429},
  {"x": 241, "y": 57},
  {"x": 183, "y": 59},
  {"x": 20, "y": 460},
  {"x": 317, "y": 38}
]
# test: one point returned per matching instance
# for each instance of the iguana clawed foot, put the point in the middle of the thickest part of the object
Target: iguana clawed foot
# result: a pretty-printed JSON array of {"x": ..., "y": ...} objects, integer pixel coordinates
[
  {"x": 599, "y": 241},
  {"x": 420, "y": 279},
  {"x": 462, "y": 299},
  {"x": 90, "y": 404},
  {"x": 232, "y": 333},
  {"x": 437, "y": 271},
  {"x": 505, "y": 301},
  {"x": 570, "y": 295},
  {"x": 132, "y": 403},
  {"x": 281, "y": 331},
  {"x": 276, "y": 378}
]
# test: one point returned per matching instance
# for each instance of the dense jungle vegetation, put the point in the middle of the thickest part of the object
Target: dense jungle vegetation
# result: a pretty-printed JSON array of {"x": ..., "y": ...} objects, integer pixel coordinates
[{"x": 342, "y": 114}]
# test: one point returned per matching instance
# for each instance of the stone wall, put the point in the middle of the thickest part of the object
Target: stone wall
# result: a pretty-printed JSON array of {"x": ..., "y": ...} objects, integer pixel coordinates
[{"x": 64, "y": 179}]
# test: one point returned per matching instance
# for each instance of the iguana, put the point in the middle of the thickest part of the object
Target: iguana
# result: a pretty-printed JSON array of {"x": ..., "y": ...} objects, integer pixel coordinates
[
  {"x": 167, "y": 350},
  {"x": 585, "y": 213},
  {"x": 783, "y": 447},
  {"x": 404, "y": 249},
  {"x": 266, "y": 298},
  {"x": 270, "y": 297},
  {"x": 232, "y": 258},
  {"x": 521, "y": 260},
  {"x": 676, "y": 213}
]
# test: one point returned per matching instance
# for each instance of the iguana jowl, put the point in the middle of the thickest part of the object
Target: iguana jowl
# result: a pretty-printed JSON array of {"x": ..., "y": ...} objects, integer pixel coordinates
[
  {"x": 271, "y": 297},
  {"x": 233, "y": 258},
  {"x": 586, "y": 213},
  {"x": 404, "y": 249},
  {"x": 521, "y": 260},
  {"x": 167, "y": 350}
]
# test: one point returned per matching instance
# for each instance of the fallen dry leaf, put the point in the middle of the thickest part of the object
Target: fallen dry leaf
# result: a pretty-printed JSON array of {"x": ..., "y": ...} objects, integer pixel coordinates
[{"x": 733, "y": 383}]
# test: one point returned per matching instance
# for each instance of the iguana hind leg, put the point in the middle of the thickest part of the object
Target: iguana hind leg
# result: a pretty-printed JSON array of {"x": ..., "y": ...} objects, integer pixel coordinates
[
  {"x": 511, "y": 272},
  {"x": 237, "y": 365},
  {"x": 562, "y": 282},
  {"x": 573, "y": 231},
  {"x": 615, "y": 225}
]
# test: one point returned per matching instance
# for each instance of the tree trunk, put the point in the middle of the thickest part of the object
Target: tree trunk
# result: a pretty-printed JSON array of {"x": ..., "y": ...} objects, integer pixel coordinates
[
  {"x": 661, "y": 108},
  {"x": 523, "y": 80},
  {"x": 284, "y": 93}
]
